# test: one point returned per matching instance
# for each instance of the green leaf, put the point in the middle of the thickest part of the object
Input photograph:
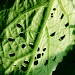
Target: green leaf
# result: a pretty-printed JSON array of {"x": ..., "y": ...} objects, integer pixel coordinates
[{"x": 35, "y": 35}]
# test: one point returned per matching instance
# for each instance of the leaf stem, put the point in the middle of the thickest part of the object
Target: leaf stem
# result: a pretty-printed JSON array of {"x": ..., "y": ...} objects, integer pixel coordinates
[{"x": 37, "y": 41}]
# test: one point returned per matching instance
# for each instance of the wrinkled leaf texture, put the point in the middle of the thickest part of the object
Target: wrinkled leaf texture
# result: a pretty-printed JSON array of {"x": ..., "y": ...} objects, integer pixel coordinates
[{"x": 35, "y": 35}]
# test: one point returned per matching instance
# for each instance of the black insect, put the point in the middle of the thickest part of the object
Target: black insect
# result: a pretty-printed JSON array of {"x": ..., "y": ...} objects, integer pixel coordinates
[{"x": 61, "y": 38}]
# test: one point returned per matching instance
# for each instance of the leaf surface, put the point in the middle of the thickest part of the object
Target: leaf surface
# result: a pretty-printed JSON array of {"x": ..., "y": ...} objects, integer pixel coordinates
[{"x": 35, "y": 35}]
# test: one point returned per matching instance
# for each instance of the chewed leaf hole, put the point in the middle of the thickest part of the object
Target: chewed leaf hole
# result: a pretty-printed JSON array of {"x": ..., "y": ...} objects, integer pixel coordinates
[
  {"x": 62, "y": 16},
  {"x": 51, "y": 13},
  {"x": 42, "y": 54},
  {"x": 11, "y": 54},
  {"x": 52, "y": 34},
  {"x": 35, "y": 62},
  {"x": 21, "y": 34},
  {"x": 31, "y": 45},
  {"x": 38, "y": 56},
  {"x": 61, "y": 38},
  {"x": 44, "y": 49},
  {"x": 54, "y": 9},
  {"x": 23, "y": 68},
  {"x": 35, "y": 57},
  {"x": 26, "y": 62},
  {"x": 11, "y": 39},
  {"x": 46, "y": 62},
  {"x": 38, "y": 49},
  {"x": 23, "y": 45},
  {"x": 18, "y": 25},
  {"x": 67, "y": 24}
]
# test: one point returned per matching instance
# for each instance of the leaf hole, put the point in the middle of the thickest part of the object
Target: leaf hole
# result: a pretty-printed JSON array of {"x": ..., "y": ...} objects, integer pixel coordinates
[
  {"x": 36, "y": 62},
  {"x": 61, "y": 38},
  {"x": 26, "y": 62},
  {"x": 23, "y": 68},
  {"x": 52, "y": 34},
  {"x": 23, "y": 45},
  {"x": 11, "y": 39},
  {"x": 21, "y": 34},
  {"x": 12, "y": 54},
  {"x": 54, "y": 9},
  {"x": 31, "y": 45},
  {"x": 35, "y": 57},
  {"x": 51, "y": 13},
  {"x": 44, "y": 49},
  {"x": 42, "y": 54},
  {"x": 18, "y": 25},
  {"x": 62, "y": 16},
  {"x": 38, "y": 56},
  {"x": 38, "y": 49},
  {"x": 46, "y": 62},
  {"x": 67, "y": 24}
]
